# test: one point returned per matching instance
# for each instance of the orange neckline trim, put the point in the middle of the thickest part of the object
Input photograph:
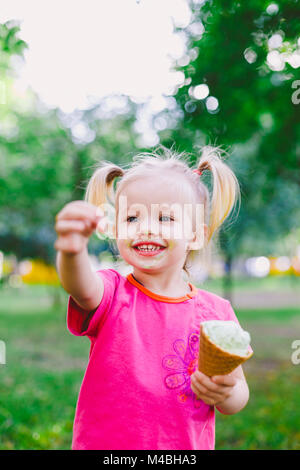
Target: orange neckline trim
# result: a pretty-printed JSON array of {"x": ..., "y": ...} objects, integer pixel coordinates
[{"x": 162, "y": 298}]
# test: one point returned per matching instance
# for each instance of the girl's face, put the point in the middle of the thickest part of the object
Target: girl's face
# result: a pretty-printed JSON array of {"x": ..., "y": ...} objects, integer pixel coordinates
[{"x": 154, "y": 227}]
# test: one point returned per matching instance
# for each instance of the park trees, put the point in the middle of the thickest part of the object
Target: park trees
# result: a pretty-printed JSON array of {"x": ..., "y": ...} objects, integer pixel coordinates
[{"x": 239, "y": 76}]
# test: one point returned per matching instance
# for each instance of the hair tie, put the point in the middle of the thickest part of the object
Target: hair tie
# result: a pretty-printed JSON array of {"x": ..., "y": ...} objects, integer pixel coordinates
[{"x": 198, "y": 172}]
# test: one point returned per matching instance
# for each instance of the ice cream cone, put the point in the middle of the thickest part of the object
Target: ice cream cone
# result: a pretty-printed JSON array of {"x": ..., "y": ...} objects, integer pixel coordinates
[{"x": 214, "y": 360}]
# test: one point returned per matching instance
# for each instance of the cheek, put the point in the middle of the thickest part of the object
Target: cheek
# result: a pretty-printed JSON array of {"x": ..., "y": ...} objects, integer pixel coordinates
[
  {"x": 177, "y": 247},
  {"x": 123, "y": 247},
  {"x": 126, "y": 231},
  {"x": 172, "y": 231},
  {"x": 172, "y": 245},
  {"x": 178, "y": 231}
]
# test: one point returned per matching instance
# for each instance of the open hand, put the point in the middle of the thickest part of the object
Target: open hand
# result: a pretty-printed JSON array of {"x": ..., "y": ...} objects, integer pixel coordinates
[{"x": 212, "y": 390}]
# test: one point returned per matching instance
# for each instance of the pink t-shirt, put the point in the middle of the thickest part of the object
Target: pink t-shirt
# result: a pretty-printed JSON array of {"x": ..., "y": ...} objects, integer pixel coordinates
[{"x": 136, "y": 391}]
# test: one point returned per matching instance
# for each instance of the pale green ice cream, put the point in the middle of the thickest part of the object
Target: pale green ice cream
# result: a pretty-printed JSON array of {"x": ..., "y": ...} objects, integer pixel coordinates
[{"x": 228, "y": 335}]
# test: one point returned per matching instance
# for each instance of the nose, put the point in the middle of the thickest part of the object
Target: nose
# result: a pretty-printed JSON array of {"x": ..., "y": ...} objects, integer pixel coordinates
[{"x": 149, "y": 226}]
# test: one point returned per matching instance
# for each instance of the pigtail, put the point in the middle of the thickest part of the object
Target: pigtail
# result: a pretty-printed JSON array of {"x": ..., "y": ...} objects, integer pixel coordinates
[
  {"x": 100, "y": 188},
  {"x": 226, "y": 190}
]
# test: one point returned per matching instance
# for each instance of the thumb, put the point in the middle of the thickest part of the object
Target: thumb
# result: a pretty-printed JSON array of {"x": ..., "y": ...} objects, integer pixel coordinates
[{"x": 102, "y": 225}]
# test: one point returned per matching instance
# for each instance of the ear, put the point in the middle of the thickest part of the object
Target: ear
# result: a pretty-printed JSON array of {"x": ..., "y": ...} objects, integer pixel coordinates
[{"x": 198, "y": 239}]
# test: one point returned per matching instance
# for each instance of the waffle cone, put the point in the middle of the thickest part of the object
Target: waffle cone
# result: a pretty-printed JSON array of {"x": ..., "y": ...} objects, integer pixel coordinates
[{"x": 214, "y": 360}]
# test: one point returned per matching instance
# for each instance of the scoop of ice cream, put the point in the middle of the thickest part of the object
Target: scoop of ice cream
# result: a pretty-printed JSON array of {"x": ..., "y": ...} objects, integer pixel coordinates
[{"x": 228, "y": 335}]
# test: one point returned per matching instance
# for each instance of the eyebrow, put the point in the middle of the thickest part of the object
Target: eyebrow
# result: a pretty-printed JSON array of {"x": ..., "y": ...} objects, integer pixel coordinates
[{"x": 137, "y": 211}]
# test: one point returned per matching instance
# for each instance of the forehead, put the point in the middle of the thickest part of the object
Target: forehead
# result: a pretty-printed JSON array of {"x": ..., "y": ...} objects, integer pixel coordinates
[{"x": 158, "y": 189}]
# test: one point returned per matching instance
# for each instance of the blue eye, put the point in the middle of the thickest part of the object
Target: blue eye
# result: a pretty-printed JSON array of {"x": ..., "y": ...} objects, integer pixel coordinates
[
  {"x": 169, "y": 217},
  {"x": 131, "y": 217},
  {"x": 161, "y": 217}
]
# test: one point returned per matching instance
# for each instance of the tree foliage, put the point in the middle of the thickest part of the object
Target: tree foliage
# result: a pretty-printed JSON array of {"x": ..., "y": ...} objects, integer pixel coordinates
[
  {"x": 44, "y": 161},
  {"x": 228, "y": 50}
]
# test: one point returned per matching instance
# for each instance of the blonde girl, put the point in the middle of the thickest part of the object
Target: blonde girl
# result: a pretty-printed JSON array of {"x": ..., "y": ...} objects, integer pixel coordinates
[{"x": 141, "y": 389}]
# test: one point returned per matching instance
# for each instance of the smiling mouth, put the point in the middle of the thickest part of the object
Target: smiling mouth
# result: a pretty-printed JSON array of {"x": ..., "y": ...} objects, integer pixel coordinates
[{"x": 149, "y": 249}]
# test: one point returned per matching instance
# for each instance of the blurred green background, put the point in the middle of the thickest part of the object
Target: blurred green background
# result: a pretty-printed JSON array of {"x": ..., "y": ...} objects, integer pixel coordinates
[{"x": 238, "y": 87}]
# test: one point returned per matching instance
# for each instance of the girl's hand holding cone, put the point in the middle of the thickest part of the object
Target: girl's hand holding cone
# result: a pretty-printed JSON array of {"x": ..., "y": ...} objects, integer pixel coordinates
[
  {"x": 212, "y": 390},
  {"x": 227, "y": 389}
]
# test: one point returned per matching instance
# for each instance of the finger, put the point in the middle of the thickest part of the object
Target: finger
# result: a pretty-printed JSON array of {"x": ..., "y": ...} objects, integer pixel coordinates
[
  {"x": 102, "y": 225},
  {"x": 225, "y": 380},
  {"x": 69, "y": 244},
  {"x": 205, "y": 381},
  {"x": 72, "y": 214},
  {"x": 197, "y": 392},
  {"x": 80, "y": 203},
  {"x": 78, "y": 212},
  {"x": 204, "y": 391},
  {"x": 66, "y": 226},
  {"x": 206, "y": 395},
  {"x": 100, "y": 212}
]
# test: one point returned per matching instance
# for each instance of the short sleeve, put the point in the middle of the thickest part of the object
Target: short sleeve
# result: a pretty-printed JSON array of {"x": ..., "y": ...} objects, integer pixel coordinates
[
  {"x": 80, "y": 322},
  {"x": 231, "y": 316}
]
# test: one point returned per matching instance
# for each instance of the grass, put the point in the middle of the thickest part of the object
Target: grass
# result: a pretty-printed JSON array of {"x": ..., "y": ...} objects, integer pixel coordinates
[
  {"x": 268, "y": 284},
  {"x": 271, "y": 417},
  {"x": 266, "y": 315},
  {"x": 40, "y": 382}
]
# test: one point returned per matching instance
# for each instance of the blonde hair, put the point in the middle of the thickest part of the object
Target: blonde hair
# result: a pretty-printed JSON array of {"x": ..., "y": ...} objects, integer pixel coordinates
[{"x": 225, "y": 187}]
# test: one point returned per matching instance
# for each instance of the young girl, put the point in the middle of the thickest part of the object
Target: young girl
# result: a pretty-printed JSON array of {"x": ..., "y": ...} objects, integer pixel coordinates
[{"x": 141, "y": 388}]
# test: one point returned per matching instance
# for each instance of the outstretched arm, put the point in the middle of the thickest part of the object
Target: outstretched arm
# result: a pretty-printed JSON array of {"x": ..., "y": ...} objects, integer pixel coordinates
[{"x": 74, "y": 225}]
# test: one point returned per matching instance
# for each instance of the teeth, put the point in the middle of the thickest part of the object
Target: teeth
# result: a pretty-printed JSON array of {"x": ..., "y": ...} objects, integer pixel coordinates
[{"x": 148, "y": 247}]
